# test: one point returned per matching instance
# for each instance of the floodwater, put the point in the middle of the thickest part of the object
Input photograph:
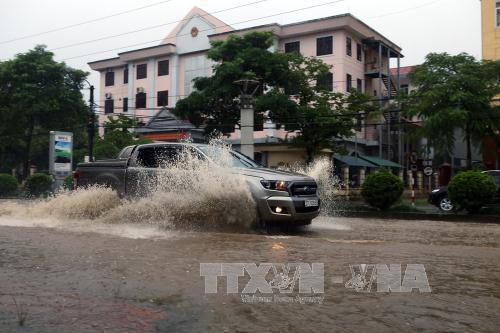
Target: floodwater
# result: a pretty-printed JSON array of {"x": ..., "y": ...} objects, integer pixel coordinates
[{"x": 92, "y": 276}]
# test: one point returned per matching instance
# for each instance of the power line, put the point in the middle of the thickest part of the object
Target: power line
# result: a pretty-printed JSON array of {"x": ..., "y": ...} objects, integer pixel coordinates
[
  {"x": 404, "y": 10},
  {"x": 222, "y": 26},
  {"x": 84, "y": 22},
  {"x": 153, "y": 26}
]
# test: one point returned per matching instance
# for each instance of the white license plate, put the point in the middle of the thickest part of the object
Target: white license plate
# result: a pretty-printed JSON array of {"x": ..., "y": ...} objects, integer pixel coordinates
[{"x": 311, "y": 203}]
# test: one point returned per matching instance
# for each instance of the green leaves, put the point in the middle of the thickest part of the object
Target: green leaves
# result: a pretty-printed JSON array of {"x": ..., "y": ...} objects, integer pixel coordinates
[
  {"x": 455, "y": 92},
  {"x": 471, "y": 190}
]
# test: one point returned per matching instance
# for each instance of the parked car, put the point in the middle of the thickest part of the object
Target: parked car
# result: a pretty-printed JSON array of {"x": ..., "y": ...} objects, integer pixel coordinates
[
  {"x": 439, "y": 196},
  {"x": 280, "y": 196}
]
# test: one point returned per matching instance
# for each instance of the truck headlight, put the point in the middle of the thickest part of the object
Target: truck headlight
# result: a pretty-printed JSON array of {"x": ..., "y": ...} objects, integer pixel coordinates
[
  {"x": 435, "y": 191},
  {"x": 277, "y": 185}
]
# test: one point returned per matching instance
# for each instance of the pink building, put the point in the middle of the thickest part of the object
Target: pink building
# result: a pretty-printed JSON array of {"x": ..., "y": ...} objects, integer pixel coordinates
[{"x": 139, "y": 82}]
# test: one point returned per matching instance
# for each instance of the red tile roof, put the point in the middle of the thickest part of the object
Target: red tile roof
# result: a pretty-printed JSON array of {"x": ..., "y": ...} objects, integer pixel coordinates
[{"x": 402, "y": 70}]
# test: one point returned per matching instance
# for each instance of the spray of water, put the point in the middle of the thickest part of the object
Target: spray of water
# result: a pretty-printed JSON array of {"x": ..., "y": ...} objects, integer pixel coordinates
[
  {"x": 187, "y": 193},
  {"x": 322, "y": 170}
]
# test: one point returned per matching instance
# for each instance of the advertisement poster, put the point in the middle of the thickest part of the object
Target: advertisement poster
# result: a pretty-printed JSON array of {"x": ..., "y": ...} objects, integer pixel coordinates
[{"x": 61, "y": 153}]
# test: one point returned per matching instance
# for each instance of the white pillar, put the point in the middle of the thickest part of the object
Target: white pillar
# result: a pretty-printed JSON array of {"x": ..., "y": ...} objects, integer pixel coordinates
[{"x": 247, "y": 123}]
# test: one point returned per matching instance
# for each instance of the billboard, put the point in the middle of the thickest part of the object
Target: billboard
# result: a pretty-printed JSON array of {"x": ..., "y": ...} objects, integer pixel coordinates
[{"x": 61, "y": 154}]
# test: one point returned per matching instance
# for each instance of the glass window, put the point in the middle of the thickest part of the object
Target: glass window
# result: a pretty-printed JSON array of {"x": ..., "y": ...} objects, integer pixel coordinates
[
  {"x": 142, "y": 71},
  {"x": 348, "y": 82},
  {"x": 162, "y": 98},
  {"x": 140, "y": 101},
  {"x": 163, "y": 67},
  {"x": 348, "y": 46},
  {"x": 497, "y": 11},
  {"x": 359, "y": 85},
  {"x": 325, "y": 82},
  {"x": 125, "y": 104},
  {"x": 110, "y": 79},
  {"x": 324, "y": 45},
  {"x": 109, "y": 105},
  {"x": 359, "y": 50},
  {"x": 292, "y": 47},
  {"x": 125, "y": 75},
  {"x": 228, "y": 157}
]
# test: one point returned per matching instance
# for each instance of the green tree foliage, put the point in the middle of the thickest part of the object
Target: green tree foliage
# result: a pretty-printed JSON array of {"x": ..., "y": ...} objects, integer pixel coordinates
[
  {"x": 471, "y": 190},
  {"x": 117, "y": 136},
  {"x": 455, "y": 92},
  {"x": 382, "y": 189},
  {"x": 38, "y": 95},
  {"x": 8, "y": 184},
  {"x": 314, "y": 113},
  {"x": 38, "y": 184}
]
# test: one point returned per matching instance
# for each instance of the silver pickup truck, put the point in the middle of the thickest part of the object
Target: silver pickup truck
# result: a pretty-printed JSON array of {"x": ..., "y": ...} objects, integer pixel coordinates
[{"x": 280, "y": 196}]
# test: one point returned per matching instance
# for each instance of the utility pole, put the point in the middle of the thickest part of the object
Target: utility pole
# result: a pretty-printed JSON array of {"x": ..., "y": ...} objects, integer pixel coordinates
[
  {"x": 247, "y": 90},
  {"x": 91, "y": 124}
]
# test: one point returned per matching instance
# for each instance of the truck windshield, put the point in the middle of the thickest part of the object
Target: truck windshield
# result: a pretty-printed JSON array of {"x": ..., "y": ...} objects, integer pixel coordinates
[{"x": 228, "y": 157}]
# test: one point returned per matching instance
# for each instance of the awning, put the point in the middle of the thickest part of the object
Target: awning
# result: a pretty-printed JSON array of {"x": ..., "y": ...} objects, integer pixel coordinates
[
  {"x": 380, "y": 162},
  {"x": 353, "y": 161}
]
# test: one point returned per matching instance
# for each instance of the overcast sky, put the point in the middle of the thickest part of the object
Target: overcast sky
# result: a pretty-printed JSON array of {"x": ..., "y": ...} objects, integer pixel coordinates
[{"x": 418, "y": 26}]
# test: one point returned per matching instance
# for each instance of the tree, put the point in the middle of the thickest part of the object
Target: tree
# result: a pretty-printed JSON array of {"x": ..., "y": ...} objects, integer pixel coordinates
[
  {"x": 314, "y": 113},
  {"x": 455, "y": 92},
  {"x": 116, "y": 137},
  {"x": 37, "y": 95}
]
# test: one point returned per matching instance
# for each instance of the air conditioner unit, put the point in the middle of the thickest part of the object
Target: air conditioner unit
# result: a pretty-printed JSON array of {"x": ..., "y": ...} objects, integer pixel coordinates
[
  {"x": 140, "y": 90},
  {"x": 108, "y": 95}
]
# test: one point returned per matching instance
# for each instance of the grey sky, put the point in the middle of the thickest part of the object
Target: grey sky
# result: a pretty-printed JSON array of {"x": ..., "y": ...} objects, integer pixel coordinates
[{"x": 418, "y": 26}]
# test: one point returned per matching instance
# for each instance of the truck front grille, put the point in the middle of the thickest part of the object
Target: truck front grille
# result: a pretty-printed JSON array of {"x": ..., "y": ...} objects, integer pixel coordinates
[{"x": 303, "y": 189}]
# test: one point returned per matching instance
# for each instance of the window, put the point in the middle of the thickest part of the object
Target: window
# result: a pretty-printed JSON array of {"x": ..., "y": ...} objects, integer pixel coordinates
[
  {"x": 348, "y": 46},
  {"x": 125, "y": 104},
  {"x": 292, "y": 47},
  {"x": 154, "y": 157},
  {"x": 404, "y": 89},
  {"x": 162, "y": 98},
  {"x": 348, "y": 82},
  {"x": 291, "y": 89},
  {"x": 326, "y": 82},
  {"x": 162, "y": 67},
  {"x": 140, "y": 101},
  {"x": 359, "y": 52},
  {"x": 142, "y": 71},
  {"x": 324, "y": 45},
  {"x": 359, "y": 85},
  {"x": 109, "y": 105},
  {"x": 110, "y": 79},
  {"x": 125, "y": 75},
  {"x": 497, "y": 11}
]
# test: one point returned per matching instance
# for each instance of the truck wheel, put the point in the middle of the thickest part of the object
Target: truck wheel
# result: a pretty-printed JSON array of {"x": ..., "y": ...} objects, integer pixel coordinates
[{"x": 445, "y": 204}]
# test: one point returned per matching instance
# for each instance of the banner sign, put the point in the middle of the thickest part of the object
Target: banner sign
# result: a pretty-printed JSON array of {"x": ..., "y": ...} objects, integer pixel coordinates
[{"x": 61, "y": 154}]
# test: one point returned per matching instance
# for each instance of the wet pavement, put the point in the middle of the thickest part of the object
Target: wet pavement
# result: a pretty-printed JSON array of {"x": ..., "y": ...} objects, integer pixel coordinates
[{"x": 88, "y": 277}]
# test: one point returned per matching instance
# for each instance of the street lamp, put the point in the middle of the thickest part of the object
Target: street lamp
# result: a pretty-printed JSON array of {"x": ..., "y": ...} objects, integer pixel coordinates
[
  {"x": 91, "y": 123},
  {"x": 248, "y": 88}
]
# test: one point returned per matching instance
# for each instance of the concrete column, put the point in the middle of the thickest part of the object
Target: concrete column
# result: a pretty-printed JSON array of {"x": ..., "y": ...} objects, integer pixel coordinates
[
  {"x": 361, "y": 175},
  {"x": 247, "y": 123},
  {"x": 174, "y": 78},
  {"x": 410, "y": 179},
  {"x": 401, "y": 174},
  {"x": 420, "y": 180},
  {"x": 130, "y": 89}
]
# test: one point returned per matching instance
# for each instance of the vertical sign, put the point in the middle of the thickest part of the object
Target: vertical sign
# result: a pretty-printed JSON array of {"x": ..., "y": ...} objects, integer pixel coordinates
[{"x": 61, "y": 154}]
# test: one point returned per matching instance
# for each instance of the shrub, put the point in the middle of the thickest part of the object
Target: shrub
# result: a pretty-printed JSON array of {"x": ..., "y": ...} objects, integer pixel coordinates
[
  {"x": 38, "y": 184},
  {"x": 471, "y": 190},
  {"x": 382, "y": 189},
  {"x": 8, "y": 184},
  {"x": 68, "y": 182}
]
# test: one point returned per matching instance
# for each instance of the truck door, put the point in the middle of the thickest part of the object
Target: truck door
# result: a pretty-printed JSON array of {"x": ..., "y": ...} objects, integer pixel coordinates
[{"x": 148, "y": 168}]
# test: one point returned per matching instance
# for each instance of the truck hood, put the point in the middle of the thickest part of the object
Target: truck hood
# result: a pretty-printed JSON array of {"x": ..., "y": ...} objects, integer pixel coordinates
[{"x": 272, "y": 174}]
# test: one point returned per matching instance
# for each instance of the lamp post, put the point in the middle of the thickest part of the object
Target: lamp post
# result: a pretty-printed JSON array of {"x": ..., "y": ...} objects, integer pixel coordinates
[
  {"x": 91, "y": 123},
  {"x": 248, "y": 88}
]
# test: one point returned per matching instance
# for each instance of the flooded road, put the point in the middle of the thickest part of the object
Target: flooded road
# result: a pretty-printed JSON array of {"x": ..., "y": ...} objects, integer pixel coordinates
[{"x": 87, "y": 276}]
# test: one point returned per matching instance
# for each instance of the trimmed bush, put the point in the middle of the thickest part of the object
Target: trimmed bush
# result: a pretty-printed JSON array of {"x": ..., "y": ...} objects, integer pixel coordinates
[
  {"x": 68, "y": 182},
  {"x": 471, "y": 190},
  {"x": 8, "y": 185},
  {"x": 38, "y": 184},
  {"x": 382, "y": 189}
]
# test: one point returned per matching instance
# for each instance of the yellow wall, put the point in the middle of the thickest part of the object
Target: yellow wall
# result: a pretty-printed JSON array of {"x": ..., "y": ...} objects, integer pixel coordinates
[{"x": 490, "y": 33}]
